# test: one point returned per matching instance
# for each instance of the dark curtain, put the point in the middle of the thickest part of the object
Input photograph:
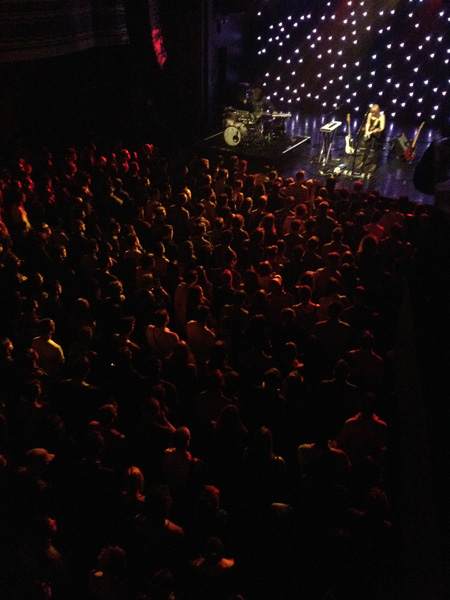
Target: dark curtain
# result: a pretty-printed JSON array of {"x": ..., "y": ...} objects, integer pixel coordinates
[{"x": 37, "y": 29}]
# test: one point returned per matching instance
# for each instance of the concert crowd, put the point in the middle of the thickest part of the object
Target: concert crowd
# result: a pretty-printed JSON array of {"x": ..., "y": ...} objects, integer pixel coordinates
[{"x": 199, "y": 376}]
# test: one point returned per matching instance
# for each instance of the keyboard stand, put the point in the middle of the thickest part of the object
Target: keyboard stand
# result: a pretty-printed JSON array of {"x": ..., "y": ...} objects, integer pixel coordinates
[
  {"x": 327, "y": 131},
  {"x": 327, "y": 144}
]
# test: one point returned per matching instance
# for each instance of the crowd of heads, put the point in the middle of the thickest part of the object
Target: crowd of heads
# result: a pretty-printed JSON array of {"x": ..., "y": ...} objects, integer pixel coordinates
[{"x": 198, "y": 367}]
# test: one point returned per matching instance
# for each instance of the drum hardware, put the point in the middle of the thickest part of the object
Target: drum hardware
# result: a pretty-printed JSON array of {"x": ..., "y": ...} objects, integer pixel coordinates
[
  {"x": 233, "y": 116},
  {"x": 243, "y": 126}
]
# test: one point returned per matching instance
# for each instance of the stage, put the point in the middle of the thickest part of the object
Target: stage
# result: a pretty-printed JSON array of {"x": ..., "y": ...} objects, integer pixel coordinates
[
  {"x": 301, "y": 147},
  {"x": 273, "y": 151}
]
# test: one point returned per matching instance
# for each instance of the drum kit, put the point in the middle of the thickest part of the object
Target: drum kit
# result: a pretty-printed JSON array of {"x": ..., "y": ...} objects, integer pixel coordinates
[{"x": 242, "y": 126}]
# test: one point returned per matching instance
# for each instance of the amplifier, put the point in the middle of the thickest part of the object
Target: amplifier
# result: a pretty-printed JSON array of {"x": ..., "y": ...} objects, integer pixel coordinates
[{"x": 399, "y": 145}]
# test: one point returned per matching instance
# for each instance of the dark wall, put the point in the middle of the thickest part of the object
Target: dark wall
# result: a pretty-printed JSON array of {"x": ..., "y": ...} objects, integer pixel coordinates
[
  {"x": 121, "y": 91},
  {"x": 65, "y": 96}
]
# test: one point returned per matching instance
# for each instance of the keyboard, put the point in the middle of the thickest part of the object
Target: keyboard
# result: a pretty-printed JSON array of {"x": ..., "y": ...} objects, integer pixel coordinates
[
  {"x": 330, "y": 127},
  {"x": 269, "y": 115}
]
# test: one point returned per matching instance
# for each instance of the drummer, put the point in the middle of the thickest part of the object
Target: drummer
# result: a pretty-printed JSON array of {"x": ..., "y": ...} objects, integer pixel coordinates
[
  {"x": 263, "y": 115},
  {"x": 256, "y": 103}
]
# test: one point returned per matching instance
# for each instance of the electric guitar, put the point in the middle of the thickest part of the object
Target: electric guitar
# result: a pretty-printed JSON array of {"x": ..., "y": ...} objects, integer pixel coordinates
[
  {"x": 374, "y": 127},
  {"x": 349, "y": 149},
  {"x": 368, "y": 133},
  {"x": 410, "y": 152}
]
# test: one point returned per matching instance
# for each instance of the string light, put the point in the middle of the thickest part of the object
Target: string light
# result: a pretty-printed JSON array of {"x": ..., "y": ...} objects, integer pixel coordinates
[{"x": 365, "y": 47}]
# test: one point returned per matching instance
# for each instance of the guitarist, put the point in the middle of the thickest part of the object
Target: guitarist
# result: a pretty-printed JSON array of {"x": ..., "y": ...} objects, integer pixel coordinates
[
  {"x": 375, "y": 123},
  {"x": 374, "y": 132}
]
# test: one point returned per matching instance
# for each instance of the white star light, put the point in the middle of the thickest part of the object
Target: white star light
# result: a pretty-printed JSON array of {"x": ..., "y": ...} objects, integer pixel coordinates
[{"x": 368, "y": 57}]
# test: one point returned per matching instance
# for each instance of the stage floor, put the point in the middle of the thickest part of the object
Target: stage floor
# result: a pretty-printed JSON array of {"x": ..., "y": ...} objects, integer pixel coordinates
[{"x": 301, "y": 149}]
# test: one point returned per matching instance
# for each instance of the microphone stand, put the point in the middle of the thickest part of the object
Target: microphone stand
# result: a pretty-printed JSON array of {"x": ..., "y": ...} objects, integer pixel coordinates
[{"x": 357, "y": 141}]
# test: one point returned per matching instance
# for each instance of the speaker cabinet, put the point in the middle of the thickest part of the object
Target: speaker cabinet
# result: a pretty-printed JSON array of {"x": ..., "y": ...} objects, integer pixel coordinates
[{"x": 399, "y": 145}]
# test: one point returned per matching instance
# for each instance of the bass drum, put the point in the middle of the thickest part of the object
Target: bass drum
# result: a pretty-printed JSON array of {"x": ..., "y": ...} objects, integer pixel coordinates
[{"x": 234, "y": 134}]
